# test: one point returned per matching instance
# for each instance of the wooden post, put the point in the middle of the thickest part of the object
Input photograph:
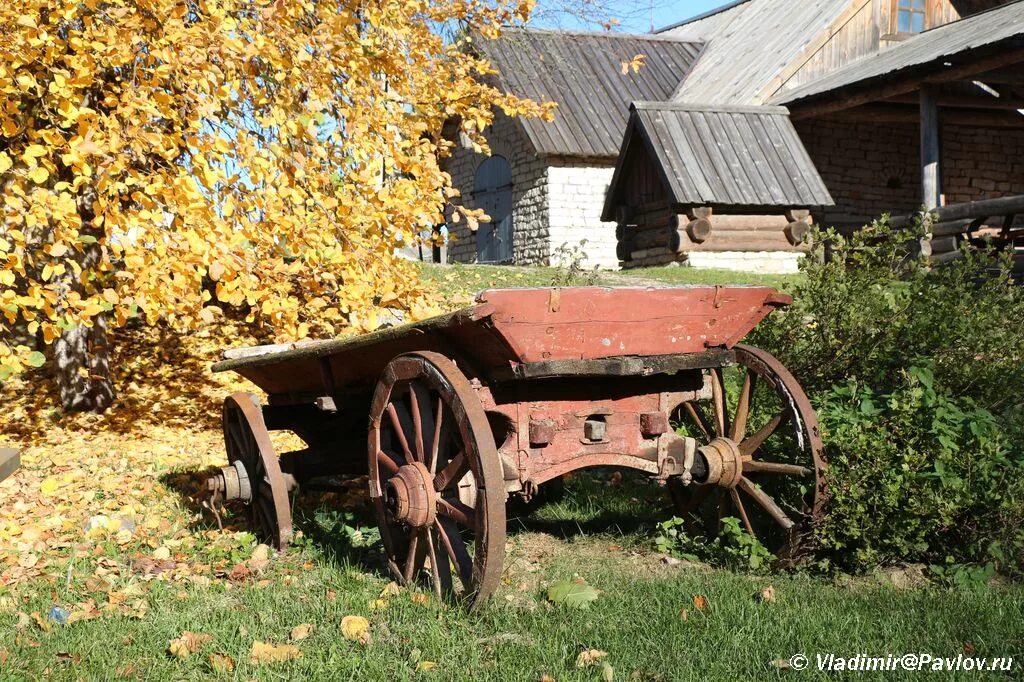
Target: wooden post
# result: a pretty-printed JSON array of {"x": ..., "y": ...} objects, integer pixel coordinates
[{"x": 930, "y": 151}]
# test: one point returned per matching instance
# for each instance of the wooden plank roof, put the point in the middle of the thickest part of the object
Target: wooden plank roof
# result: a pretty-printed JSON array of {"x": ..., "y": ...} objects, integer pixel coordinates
[
  {"x": 742, "y": 159},
  {"x": 996, "y": 28},
  {"x": 583, "y": 73},
  {"x": 748, "y": 44}
]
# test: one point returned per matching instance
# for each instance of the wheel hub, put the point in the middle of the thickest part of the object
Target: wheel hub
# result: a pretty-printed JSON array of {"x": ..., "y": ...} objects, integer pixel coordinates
[
  {"x": 725, "y": 462},
  {"x": 232, "y": 482},
  {"x": 410, "y": 497}
]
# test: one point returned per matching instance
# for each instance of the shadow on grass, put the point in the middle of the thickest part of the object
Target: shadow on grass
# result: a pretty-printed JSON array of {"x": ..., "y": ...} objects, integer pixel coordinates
[
  {"x": 339, "y": 525},
  {"x": 593, "y": 502}
]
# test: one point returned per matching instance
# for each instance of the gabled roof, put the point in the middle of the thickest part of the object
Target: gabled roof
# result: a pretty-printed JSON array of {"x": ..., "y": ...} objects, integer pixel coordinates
[
  {"x": 583, "y": 73},
  {"x": 748, "y": 44},
  {"x": 997, "y": 28},
  {"x": 735, "y": 158}
]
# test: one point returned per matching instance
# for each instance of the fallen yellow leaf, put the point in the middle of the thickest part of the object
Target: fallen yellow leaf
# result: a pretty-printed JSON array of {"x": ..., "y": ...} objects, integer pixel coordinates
[
  {"x": 356, "y": 629},
  {"x": 301, "y": 632},
  {"x": 222, "y": 663},
  {"x": 188, "y": 643},
  {"x": 589, "y": 657},
  {"x": 263, "y": 652}
]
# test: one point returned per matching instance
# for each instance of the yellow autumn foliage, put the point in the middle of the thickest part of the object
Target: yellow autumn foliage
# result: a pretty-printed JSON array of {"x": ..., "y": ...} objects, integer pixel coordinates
[{"x": 164, "y": 159}]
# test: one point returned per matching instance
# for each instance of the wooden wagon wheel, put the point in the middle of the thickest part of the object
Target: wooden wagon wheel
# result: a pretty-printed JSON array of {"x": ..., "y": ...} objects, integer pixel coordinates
[
  {"x": 255, "y": 473},
  {"x": 762, "y": 436},
  {"x": 435, "y": 479}
]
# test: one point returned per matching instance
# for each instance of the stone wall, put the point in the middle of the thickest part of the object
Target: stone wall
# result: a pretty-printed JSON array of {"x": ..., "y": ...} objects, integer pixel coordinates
[
  {"x": 875, "y": 168},
  {"x": 576, "y": 193},
  {"x": 531, "y": 245}
]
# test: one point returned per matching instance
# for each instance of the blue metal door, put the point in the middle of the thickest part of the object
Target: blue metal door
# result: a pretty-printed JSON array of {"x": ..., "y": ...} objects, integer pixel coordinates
[{"x": 492, "y": 191}]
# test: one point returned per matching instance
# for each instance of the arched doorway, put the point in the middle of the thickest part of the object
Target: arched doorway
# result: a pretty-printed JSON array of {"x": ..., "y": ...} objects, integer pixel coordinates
[{"x": 492, "y": 191}]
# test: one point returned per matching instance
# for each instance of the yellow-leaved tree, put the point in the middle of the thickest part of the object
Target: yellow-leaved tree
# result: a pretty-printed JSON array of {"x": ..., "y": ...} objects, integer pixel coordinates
[{"x": 163, "y": 159}]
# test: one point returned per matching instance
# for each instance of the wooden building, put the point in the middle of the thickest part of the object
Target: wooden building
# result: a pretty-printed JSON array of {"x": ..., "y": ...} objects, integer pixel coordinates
[{"x": 892, "y": 105}]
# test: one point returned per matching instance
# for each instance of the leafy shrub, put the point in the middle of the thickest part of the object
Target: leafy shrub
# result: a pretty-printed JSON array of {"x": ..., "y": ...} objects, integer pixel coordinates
[
  {"x": 733, "y": 547},
  {"x": 918, "y": 376}
]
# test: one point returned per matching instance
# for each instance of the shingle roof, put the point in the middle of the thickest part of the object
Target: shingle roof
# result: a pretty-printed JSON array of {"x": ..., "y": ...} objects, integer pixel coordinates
[
  {"x": 748, "y": 44},
  {"x": 582, "y": 72},
  {"x": 735, "y": 157},
  {"x": 1000, "y": 25}
]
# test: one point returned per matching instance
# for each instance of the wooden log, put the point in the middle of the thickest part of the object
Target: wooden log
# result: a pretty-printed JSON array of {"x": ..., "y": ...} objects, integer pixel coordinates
[
  {"x": 984, "y": 207},
  {"x": 944, "y": 244},
  {"x": 653, "y": 214},
  {"x": 948, "y": 227},
  {"x": 767, "y": 223},
  {"x": 10, "y": 460},
  {"x": 920, "y": 248},
  {"x": 944, "y": 258},
  {"x": 796, "y": 215},
  {"x": 624, "y": 215},
  {"x": 742, "y": 241},
  {"x": 649, "y": 237},
  {"x": 623, "y": 231},
  {"x": 796, "y": 232},
  {"x": 699, "y": 230},
  {"x": 624, "y": 250}
]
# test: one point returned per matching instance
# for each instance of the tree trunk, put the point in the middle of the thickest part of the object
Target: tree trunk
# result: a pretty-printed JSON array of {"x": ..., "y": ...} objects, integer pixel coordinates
[{"x": 82, "y": 357}]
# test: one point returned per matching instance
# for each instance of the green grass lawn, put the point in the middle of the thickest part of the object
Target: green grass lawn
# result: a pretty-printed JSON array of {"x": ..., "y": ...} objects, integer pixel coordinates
[{"x": 596, "y": 532}]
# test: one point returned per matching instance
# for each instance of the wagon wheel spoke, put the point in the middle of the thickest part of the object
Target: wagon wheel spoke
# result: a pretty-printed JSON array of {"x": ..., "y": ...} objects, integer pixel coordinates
[
  {"x": 440, "y": 572},
  {"x": 453, "y": 471},
  {"x": 718, "y": 398},
  {"x": 398, "y": 430},
  {"x": 738, "y": 504},
  {"x": 458, "y": 512},
  {"x": 696, "y": 415},
  {"x": 756, "y": 467},
  {"x": 385, "y": 533},
  {"x": 767, "y": 503},
  {"x": 417, "y": 424},
  {"x": 385, "y": 460},
  {"x": 739, "y": 424},
  {"x": 436, "y": 442},
  {"x": 455, "y": 546},
  {"x": 751, "y": 445},
  {"x": 417, "y": 552},
  {"x": 444, "y": 564}
]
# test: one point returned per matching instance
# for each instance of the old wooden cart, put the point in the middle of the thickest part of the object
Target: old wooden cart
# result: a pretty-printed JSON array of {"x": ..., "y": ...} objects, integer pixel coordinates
[{"x": 521, "y": 388}]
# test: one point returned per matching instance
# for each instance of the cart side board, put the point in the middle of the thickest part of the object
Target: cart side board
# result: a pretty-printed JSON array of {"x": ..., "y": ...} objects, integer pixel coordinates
[{"x": 540, "y": 327}]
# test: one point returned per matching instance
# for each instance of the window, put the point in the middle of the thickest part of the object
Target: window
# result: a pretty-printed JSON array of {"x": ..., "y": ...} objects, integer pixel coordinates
[{"x": 911, "y": 16}]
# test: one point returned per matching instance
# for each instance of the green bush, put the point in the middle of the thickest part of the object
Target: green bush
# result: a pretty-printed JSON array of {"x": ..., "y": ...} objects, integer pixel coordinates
[{"x": 918, "y": 377}]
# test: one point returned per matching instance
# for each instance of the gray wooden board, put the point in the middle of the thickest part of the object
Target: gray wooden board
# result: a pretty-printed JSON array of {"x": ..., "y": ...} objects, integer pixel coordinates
[
  {"x": 1000, "y": 25},
  {"x": 582, "y": 73},
  {"x": 750, "y": 44}
]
